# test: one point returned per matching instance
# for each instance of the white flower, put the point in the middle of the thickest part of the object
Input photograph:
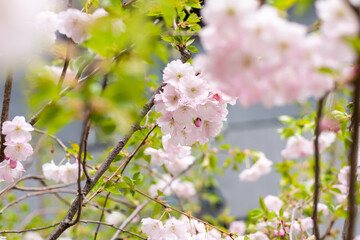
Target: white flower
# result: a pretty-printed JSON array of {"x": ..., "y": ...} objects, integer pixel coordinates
[
  {"x": 250, "y": 174},
  {"x": 73, "y": 24},
  {"x": 68, "y": 173},
  {"x": 326, "y": 139},
  {"x": 344, "y": 175},
  {"x": 114, "y": 218},
  {"x": 237, "y": 227},
  {"x": 273, "y": 203},
  {"x": 152, "y": 228},
  {"x": 297, "y": 147},
  {"x": 263, "y": 165},
  {"x": 51, "y": 171},
  {"x": 323, "y": 208}
]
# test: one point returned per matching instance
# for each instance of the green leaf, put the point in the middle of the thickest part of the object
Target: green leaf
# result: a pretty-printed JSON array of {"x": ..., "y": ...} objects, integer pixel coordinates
[
  {"x": 262, "y": 204},
  {"x": 157, "y": 210},
  {"x": 192, "y": 49}
]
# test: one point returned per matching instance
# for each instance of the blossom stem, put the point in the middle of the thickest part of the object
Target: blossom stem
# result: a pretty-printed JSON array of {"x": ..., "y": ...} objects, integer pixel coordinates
[
  {"x": 5, "y": 109},
  {"x": 317, "y": 168}
]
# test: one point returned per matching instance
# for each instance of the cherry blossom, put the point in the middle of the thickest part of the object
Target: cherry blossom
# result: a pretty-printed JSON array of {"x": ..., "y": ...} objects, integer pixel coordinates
[
  {"x": 191, "y": 110},
  {"x": 297, "y": 147},
  {"x": 175, "y": 158},
  {"x": 18, "y": 151},
  {"x": 17, "y": 130},
  {"x": 114, "y": 217},
  {"x": 51, "y": 171},
  {"x": 67, "y": 173},
  {"x": 261, "y": 167},
  {"x": 256, "y": 55},
  {"x": 237, "y": 227},
  {"x": 273, "y": 203},
  {"x": 168, "y": 186},
  {"x": 8, "y": 173},
  {"x": 152, "y": 228},
  {"x": 73, "y": 24}
]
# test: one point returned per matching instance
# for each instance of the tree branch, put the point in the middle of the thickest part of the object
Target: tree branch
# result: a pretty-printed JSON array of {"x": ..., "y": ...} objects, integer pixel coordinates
[
  {"x": 317, "y": 169},
  {"x": 5, "y": 109},
  {"x": 103, "y": 168}
]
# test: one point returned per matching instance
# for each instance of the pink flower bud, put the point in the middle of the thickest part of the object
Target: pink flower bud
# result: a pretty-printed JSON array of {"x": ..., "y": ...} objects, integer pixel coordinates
[
  {"x": 276, "y": 233},
  {"x": 13, "y": 164},
  {"x": 282, "y": 233},
  {"x": 197, "y": 122}
]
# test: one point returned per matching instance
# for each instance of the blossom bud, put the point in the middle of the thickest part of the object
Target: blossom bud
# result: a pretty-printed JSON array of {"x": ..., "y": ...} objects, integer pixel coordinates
[
  {"x": 282, "y": 233},
  {"x": 197, "y": 122},
  {"x": 276, "y": 233},
  {"x": 13, "y": 164}
]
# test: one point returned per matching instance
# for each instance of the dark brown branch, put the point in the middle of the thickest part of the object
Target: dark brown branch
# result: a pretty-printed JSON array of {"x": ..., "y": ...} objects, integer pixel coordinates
[
  {"x": 349, "y": 227},
  {"x": 101, "y": 216},
  {"x": 5, "y": 109},
  {"x": 103, "y": 168},
  {"x": 81, "y": 146},
  {"x": 317, "y": 169}
]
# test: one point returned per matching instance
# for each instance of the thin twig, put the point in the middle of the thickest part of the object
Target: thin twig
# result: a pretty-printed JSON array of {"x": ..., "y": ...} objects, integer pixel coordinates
[
  {"x": 113, "y": 226},
  {"x": 61, "y": 144},
  {"x": 36, "y": 189},
  {"x": 101, "y": 216},
  {"x": 35, "y": 194},
  {"x": 5, "y": 109},
  {"x": 317, "y": 169},
  {"x": 9, "y": 187},
  {"x": 30, "y": 229},
  {"x": 329, "y": 228}
]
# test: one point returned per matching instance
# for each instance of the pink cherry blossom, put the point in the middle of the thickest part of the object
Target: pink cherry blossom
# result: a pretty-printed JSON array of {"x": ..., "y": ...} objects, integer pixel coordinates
[
  {"x": 191, "y": 109},
  {"x": 297, "y": 147},
  {"x": 17, "y": 130},
  {"x": 8, "y": 174},
  {"x": 18, "y": 151}
]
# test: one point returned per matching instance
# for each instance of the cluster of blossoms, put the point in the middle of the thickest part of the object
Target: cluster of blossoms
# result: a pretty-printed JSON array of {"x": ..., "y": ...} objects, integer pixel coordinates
[
  {"x": 343, "y": 186},
  {"x": 175, "y": 158},
  {"x": 67, "y": 173},
  {"x": 256, "y": 55},
  {"x": 186, "y": 229},
  {"x": 305, "y": 224},
  {"x": 168, "y": 186},
  {"x": 191, "y": 110},
  {"x": 38, "y": 21},
  {"x": 17, "y": 137},
  {"x": 298, "y": 146},
  {"x": 261, "y": 167}
]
